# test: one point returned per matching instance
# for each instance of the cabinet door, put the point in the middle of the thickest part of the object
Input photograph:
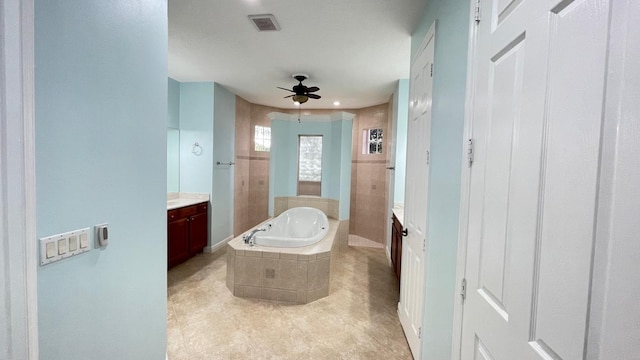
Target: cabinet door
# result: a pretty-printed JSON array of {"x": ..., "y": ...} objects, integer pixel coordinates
[
  {"x": 177, "y": 241},
  {"x": 396, "y": 253},
  {"x": 394, "y": 242},
  {"x": 399, "y": 256},
  {"x": 198, "y": 232}
]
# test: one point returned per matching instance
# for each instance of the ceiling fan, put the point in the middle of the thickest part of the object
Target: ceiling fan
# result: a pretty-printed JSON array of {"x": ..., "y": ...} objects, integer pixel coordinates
[{"x": 302, "y": 93}]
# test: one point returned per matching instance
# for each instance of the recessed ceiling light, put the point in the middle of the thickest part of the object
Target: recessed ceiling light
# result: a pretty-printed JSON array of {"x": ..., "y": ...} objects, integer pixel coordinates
[{"x": 336, "y": 103}]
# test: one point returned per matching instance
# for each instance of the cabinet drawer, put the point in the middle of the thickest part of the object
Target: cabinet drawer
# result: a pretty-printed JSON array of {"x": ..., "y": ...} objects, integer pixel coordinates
[
  {"x": 202, "y": 208},
  {"x": 173, "y": 215},
  {"x": 183, "y": 212}
]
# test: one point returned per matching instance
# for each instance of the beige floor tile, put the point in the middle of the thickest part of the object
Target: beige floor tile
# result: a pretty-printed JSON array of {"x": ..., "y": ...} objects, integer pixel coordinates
[{"x": 357, "y": 320}]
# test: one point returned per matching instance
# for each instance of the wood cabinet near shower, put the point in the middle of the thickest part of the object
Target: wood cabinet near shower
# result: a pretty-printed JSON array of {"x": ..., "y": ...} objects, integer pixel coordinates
[
  {"x": 187, "y": 232},
  {"x": 396, "y": 246}
]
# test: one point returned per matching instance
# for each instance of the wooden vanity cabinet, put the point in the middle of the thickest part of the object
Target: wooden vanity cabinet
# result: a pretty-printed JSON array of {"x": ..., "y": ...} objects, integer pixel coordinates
[
  {"x": 396, "y": 246},
  {"x": 187, "y": 232}
]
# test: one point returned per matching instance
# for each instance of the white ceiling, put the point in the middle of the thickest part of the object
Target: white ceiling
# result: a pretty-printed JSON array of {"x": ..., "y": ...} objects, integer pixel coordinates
[{"x": 354, "y": 50}]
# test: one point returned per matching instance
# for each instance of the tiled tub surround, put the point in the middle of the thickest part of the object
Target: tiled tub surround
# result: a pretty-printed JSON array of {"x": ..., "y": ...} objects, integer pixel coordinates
[
  {"x": 296, "y": 275},
  {"x": 177, "y": 200}
]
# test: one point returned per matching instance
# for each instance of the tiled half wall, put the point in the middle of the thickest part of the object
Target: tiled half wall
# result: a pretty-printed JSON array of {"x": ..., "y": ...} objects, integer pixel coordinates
[{"x": 296, "y": 275}]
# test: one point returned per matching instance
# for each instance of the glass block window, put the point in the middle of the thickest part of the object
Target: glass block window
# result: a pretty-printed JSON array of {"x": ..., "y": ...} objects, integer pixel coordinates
[
  {"x": 310, "y": 158},
  {"x": 262, "y": 138},
  {"x": 372, "y": 141}
]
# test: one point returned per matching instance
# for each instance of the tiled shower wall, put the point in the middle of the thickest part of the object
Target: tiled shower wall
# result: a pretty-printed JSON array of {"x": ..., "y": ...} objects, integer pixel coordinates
[
  {"x": 258, "y": 169},
  {"x": 243, "y": 142},
  {"x": 251, "y": 198},
  {"x": 369, "y": 176}
]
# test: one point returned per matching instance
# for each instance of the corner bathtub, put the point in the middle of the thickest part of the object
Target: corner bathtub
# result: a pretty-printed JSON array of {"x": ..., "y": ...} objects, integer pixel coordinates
[{"x": 295, "y": 227}]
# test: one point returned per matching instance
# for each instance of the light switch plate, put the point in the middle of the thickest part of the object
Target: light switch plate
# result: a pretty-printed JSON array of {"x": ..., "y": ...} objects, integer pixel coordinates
[
  {"x": 62, "y": 246},
  {"x": 73, "y": 243}
]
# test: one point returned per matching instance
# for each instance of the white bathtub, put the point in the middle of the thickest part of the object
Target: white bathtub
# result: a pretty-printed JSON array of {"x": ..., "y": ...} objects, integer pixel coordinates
[{"x": 295, "y": 227}]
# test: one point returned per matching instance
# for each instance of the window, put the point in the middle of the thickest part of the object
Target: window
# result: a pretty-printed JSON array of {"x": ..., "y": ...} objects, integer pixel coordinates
[
  {"x": 262, "y": 138},
  {"x": 309, "y": 165},
  {"x": 372, "y": 141}
]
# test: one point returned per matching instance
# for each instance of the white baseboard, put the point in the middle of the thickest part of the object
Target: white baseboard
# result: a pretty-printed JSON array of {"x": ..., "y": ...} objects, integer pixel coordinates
[
  {"x": 386, "y": 250},
  {"x": 218, "y": 246}
]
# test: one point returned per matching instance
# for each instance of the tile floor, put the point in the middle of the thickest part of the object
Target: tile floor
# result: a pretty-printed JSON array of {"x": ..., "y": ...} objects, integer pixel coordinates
[{"x": 357, "y": 320}]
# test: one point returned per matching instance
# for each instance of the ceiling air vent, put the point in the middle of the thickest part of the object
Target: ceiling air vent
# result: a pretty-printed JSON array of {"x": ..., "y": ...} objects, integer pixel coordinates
[{"x": 264, "y": 22}]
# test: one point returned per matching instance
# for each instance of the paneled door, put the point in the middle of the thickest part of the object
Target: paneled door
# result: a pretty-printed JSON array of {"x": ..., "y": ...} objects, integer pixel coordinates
[
  {"x": 416, "y": 194},
  {"x": 538, "y": 89}
]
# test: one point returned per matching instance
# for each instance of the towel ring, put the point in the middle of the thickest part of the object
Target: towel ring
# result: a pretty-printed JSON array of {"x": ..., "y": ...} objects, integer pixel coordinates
[{"x": 196, "y": 149}]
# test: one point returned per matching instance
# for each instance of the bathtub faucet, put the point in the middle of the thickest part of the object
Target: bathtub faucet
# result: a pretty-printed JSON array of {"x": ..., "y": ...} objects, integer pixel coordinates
[{"x": 250, "y": 239}]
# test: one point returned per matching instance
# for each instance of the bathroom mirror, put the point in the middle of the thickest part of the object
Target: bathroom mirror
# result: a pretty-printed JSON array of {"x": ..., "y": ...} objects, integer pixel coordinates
[
  {"x": 173, "y": 160},
  {"x": 309, "y": 165}
]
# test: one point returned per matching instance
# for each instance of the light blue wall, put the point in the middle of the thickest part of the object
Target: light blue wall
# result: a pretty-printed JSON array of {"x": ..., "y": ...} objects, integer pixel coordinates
[
  {"x": 401, "y": 112},
  {"x": 173, "y": 136},
  {"x": 336, "y": 154},
  {"x": 282, "y": 177},
  {"x": 207, "y": 116},
  {"x": 174, "y": 104},
  {"x": 223, "y": 151},
  {"x": 449, "y": 82},
  {"x": 284, "y": 160},
  {"x": 101, "y": 128},
  {"x": 173, "y": 160},
  {"x": 196, "y": 125}
]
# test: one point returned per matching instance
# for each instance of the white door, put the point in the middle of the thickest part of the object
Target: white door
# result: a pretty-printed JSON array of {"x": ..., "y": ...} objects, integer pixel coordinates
[
  {"x": 416, "y": 194},
  {"x": 538, "y": 88}
]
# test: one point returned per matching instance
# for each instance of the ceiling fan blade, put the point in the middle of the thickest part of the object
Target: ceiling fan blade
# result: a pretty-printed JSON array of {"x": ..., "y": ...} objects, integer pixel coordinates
[
  {"x": 313, "y": 89},
  {"x": 313, "y": 96},
  {"x": 289, "y": 96},
  {"x": 285, "y": 89}
]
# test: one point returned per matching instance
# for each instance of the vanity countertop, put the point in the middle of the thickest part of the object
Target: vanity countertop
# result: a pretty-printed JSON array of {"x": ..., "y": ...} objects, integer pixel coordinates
[
  {"x": 178, "y": 200},
  {"x": 398, "y": 211}
]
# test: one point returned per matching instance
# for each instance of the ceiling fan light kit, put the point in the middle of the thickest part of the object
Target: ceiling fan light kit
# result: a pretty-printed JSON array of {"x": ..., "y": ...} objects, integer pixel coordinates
[{"x": 300, "y": 99}]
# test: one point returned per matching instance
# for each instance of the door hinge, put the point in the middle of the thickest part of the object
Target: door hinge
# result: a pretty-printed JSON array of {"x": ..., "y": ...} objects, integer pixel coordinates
[
  {"x": 420, "y": 332},
  {"x": 428, "y": 157},
  {"x": 470, "y": 151},
  {"x": 463, "y": 289},
  {"x": 431, "y": 70},
  {"x": 424, "y": 244},
  {"x": 477, "y": 12}
]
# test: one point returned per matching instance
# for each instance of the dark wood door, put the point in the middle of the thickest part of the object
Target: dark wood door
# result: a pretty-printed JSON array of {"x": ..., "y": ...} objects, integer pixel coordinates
[
  {"x": 177, "y": 241},
  {"x": 198, "y": 232}
]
